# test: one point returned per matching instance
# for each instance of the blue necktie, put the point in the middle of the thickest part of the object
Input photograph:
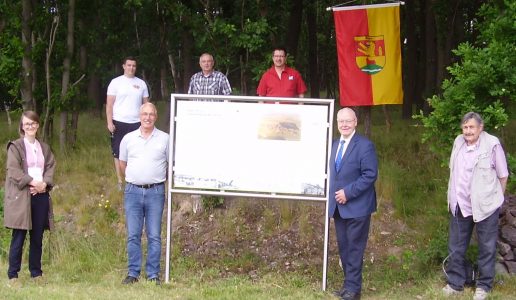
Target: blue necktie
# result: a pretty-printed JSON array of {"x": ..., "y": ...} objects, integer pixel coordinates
[{"x": 338, "y": 159}]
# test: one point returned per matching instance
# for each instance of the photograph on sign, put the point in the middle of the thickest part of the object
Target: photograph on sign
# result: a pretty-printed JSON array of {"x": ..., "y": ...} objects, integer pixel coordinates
[{"x": 251, "y": 147}]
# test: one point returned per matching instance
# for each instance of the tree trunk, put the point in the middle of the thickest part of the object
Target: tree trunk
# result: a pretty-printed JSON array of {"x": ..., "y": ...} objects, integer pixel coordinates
[
  {"x": 430, "y": 47},
  {"x": 49, "y": 109},
  {"x": 83, "y": 62},
  {"x": 2, "y": 24},
  {"x": 244, "y": 91},
  {"x": 34, "y": 77},
  {"x": 419, "y": 98},
  {"x": 366, "y": 116},
  {"x": 175, "y": 73},
  {"x": 448, "y": 42},
  {"x": 241, "y": 60},
  {"x": 26, "y": 86},
  {"x": 74, "y": 126},
  {"x": 94, "y": 95},
  {"x": 136, "y": 32},
  {"x": 65, "y": 83},
  {"x": 410, "y": 60},
  {"x": 9, "y": 122},
  {"x": 165, "y": 93},
  {"x": 313, "y": 62},
  {"x": 294, "y": 27},
  {"x": 187, "y": 59},
  {"x": 387, "y": 116},
  {"x": 63, "y": 124}
]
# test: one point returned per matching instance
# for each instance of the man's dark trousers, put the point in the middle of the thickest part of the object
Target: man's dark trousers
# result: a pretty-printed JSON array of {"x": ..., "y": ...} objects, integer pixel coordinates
[{"x": 352, "y": 235}]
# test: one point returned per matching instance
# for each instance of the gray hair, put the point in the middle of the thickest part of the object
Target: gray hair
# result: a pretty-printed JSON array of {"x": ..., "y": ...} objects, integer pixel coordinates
[
  {"x": 207, "y": 54},
  {"x": 472, "y": 115},
  {"x": 151, "y": 105}
]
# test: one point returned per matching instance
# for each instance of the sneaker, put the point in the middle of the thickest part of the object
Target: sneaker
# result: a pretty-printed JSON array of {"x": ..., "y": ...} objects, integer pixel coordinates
[
  {"x": 480, "y": 294},
  {"x": 449, "y": 291},
  {"x": 39, "y": 280},
  {"x": 14, "y": 283},
  {"x": 130, "y": 280},
  {"x": 156, "y": 280}
]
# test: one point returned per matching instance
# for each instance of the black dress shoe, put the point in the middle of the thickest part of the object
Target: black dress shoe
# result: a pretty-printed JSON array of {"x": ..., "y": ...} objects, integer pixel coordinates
[
  {"x": 130, "y": 280},
  {"x": 347, "y": 295},
  {"x": 339, "y": 293},
  {"x": 155, "y": 280}
]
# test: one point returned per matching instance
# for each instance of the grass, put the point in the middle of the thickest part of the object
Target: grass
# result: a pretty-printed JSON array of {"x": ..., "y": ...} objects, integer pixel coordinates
[
  {"x": 85, "y": 257},
  {"x": 207, "y": 285}
]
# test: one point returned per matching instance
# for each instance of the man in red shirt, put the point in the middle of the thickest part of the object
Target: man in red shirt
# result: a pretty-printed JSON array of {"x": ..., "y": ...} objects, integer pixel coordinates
[{"x": 280, "y": 80}]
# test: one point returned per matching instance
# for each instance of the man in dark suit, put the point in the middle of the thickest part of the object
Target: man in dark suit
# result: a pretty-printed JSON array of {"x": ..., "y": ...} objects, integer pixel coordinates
[{"x": 352, "y": 199}]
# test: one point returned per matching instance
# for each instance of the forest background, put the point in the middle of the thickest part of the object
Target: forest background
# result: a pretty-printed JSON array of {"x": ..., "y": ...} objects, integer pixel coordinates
[{"x": 57, "y": 57}]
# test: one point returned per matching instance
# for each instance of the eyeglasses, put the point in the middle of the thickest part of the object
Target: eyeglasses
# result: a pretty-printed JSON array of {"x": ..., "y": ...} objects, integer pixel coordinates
[
  {"x": 350, "y": 121},
  {"x": 33, "y": 124}
]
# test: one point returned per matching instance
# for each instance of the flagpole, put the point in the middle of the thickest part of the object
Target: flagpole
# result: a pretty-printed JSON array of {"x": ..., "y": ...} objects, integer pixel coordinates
[
  {"x": 379, "y": 5},
  {"x": 342, "y": 4}
]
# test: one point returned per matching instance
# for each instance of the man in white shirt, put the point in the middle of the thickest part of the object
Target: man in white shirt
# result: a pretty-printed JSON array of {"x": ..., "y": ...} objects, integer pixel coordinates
[
  {"x": 144, "y": 162},
  {"x": 125, "y": 94}
]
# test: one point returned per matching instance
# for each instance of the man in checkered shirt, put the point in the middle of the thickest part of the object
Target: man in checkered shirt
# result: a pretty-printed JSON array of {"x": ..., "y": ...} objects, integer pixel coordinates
[{"x": 208, "y": 81}]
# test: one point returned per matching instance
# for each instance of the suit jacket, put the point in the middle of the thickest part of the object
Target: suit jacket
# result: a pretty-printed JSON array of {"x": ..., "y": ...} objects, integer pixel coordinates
[{"x": 357, "y": 175}]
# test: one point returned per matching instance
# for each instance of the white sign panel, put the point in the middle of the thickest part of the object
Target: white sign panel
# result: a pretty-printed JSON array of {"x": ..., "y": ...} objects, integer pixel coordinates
[{"x": 251, "y": 147}]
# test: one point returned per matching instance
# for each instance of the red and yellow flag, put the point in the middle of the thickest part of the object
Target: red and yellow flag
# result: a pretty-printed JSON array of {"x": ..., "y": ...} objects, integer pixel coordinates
[{"x": 369, "y": 53}]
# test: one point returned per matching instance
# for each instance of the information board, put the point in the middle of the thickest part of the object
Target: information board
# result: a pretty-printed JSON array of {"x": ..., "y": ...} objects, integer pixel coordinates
[{"x": 251, "y": 147}]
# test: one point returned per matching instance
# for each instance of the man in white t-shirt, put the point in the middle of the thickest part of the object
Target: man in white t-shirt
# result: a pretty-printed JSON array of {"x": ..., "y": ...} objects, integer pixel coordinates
[
  {"x": 125, "y": 94},
  {"x": 144, "y": 162}
]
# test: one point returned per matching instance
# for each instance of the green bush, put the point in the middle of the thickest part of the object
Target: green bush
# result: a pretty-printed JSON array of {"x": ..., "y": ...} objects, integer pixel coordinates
[
  {"x": 480, "y": 81},
  {"x": 437, "y": 249},
  {"x": 211, "y": 202}
]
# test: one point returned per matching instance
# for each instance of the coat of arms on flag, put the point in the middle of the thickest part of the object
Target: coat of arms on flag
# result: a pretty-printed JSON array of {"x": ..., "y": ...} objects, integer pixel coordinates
[{"x": 370, "y": 55}]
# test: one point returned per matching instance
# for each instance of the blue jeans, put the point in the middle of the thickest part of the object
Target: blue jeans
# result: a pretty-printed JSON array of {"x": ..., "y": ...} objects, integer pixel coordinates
[
  {"x": 144, "y": 206},
  {"x": 460, "y": 232}
]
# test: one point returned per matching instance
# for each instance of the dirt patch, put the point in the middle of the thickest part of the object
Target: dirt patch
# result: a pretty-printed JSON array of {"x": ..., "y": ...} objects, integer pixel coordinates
[{"x": 254, "y": 235}]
